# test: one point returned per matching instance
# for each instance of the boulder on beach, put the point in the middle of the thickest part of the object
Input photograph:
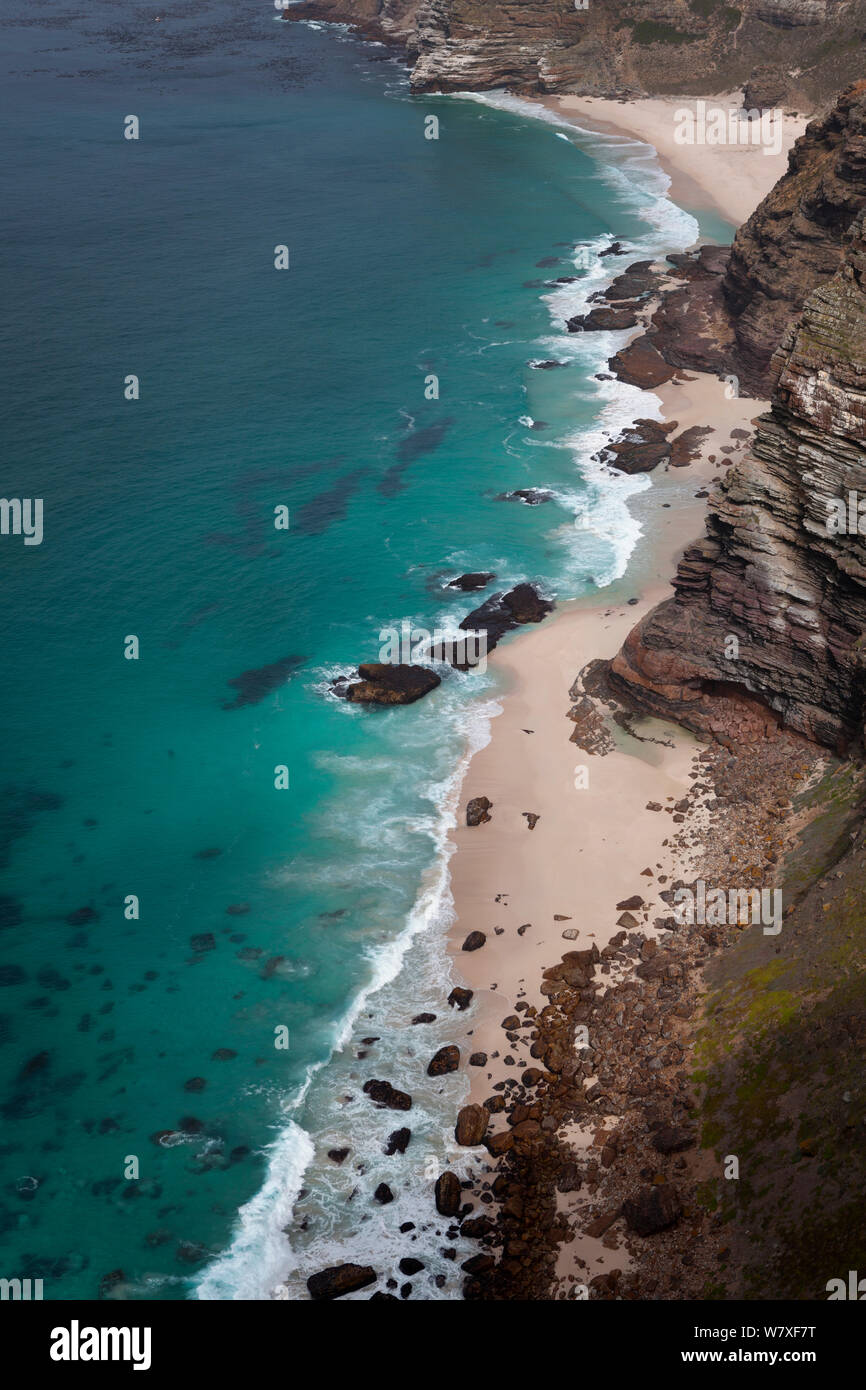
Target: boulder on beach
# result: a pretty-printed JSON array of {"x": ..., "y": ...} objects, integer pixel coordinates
[
  {"x": 474, "y": 941},
  {"x": 478, "y": 810},
  {"x": 460, "y": 998},
  {"x": 338, "y": 1280},
  {"x": 471, "y": 1125},
  {"x": 653, "y": 1209}
]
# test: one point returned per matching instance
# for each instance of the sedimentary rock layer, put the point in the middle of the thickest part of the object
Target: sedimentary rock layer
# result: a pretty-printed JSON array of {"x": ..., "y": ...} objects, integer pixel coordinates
[
  {"x": 771, "y": 605},
  {"x": 789, "y": 51}
]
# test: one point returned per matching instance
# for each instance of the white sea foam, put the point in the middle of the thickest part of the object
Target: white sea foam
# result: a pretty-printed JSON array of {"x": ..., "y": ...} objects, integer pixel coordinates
[
  {"x": 260, "y": 1262},
  {"x": 260, "y": 1259}
]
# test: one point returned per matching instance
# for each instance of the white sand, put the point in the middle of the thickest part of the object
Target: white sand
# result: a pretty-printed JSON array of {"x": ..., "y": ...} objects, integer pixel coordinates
[{"x": 731, "y": 178}]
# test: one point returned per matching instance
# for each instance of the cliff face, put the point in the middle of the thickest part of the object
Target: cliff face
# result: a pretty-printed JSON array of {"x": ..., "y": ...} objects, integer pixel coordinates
[
  {"x": 793, "y": 241},
  {"x": 791, "y": 51},
  {"x": 770, "y": 607},
  {"x": 734, "y": 306}
]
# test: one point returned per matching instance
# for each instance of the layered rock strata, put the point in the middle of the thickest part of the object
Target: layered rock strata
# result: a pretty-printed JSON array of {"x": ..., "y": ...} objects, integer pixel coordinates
[{"x": 770, "y": 607}]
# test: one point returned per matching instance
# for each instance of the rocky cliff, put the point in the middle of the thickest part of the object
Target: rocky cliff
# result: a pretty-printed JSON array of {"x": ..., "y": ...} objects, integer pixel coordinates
[
  {"x": 787, "y": 51},
  {"x": 768, "y": 620},
  {"x": 731, "y": 307}
]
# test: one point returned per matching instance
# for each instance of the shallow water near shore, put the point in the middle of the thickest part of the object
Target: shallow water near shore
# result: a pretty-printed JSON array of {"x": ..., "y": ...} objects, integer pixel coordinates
[{"x": 318, "y": 909}]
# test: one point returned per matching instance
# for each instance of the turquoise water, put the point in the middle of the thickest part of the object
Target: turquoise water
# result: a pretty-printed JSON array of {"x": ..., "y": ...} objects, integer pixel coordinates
[{"x": 259, "y": 389}]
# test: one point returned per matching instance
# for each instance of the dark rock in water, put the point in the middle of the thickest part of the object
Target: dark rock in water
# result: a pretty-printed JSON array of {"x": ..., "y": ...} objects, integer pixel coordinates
[
  {"x": 477, "y": 810},
  {"x": 408, "y": 1265},
  {"x": 383, "y": 1093},
  {"x": 338, "y": 1155},
  {"x": 81, "y": 916},
  {"x": 641, "y": 364},
  {"x": 530, "y": 496},
  {"x": 378, "y": 1296},
  {"x": 460, "y": 998},
  {"x": 36, "y": 1064},
  {"x": 238, "y": 909},
  {"x": 195, "y": 1083},
  {"x": 501, "y": 613},
  {"x": 385, "y": 684},
  {"x": 253, "y": 686},
  {"x": 474, "y": 941},
  {"x": 471, "y": 1125},
  {"x": 203, "y": 941},
  {"x": 189, "y": 1252},
  {"x": 223, "y": 1054},
  {"x": 239, "y": 1153},
  {"x": 339, "y": 1280},
  {"x": 641, "y": 447},
  {"x": 616, "y": 248},
  {"x": 11, "y": 975},
  {"x": 424, "y": 1018},
  {"x": 653, "y": 1209},
  {"x": 602, "y": 319},
  {"x": 637, "y": 282},
  {"x": 211, "y": 853},
  {"x": 448, "y": 1194},
  {"x": 398, "y": 1141},
  {"x": 547, "y": 365},
  {"x": 447, "y": 1059},
  {"x": 467, "y": 583},
  {"x": 383, "y": 1194}
]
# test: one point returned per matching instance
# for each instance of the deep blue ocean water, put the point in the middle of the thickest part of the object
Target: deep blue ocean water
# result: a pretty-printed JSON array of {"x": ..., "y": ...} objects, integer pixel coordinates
[{"x": 155, "y": 777}]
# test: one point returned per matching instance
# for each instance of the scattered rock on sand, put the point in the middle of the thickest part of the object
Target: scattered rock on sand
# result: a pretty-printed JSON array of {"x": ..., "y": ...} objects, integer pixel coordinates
[
  {"x": 531, "y": 818},
  {"x": 460, "y": 998},
  {"x": 477, "y": 810},
  {"x": 474, "y": 941},
  {"x": 471, "y": 1125},
  {"x": 653, "y": 1209}
]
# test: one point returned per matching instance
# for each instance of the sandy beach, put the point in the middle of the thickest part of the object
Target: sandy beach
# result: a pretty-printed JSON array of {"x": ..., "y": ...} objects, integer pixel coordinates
[
  {"x": 539, "y": 891},
  {"x": 731, "y": 178}
]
